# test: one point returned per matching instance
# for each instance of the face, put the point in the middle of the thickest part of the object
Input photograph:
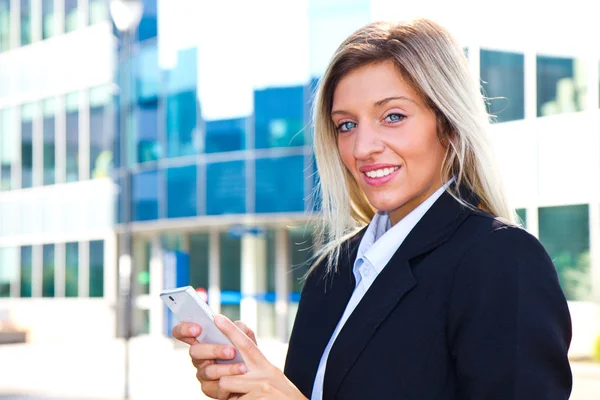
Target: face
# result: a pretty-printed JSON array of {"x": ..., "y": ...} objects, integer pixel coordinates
[{"x": 387, "y": 138}]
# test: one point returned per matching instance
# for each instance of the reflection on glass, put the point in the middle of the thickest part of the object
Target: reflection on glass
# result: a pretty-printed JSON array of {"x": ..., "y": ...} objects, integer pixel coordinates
[
  {"x": 27, "y": 115},
  {"x": 225, "y": 135},
  {"x": 503, "y": 77},
  {"x": 98, "y": 11},
  {"x": 561, "y": 85},
  {"x": 48, "y": 19},
  {"x": 181, "y": 192},
  {"x": 49, "y": 107},
  {"x": 280, "y": 184},
  {"x": 72, "y": 128},
  {"x": 146, "y": 110},
  {"x": 72, "y": 269},
  {"x": 71, "y": 16},
  {"x": 48, "y": 271},
  {"x": 148, "y": 28},
  {"x": 145, "y": 195},
  {"x": 8, "y": 145},
  {"x": 97, "y": 268},
  {"x": 5, "y": 25},
  {"x": 199, "y": 248},
  {"x": 230, "y": 270},
  {"x": 9, "y": 270},
  {"x": 26, "y": 269},
  {"x": 101, "y": 132},
  {"x": 564, "y": 232},
  {"x": 226, "y": 188},
  {"x": 279, "y": 117},
  {"x": 25, "y": 22},
  {"x": 182, "y": 135}
]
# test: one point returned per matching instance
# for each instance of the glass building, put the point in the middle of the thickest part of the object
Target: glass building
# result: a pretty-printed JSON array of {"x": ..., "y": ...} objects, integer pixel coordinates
[{"x": 218, "y": 153}]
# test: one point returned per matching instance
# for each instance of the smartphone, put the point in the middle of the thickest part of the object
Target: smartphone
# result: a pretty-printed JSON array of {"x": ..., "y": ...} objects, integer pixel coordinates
[{"x": 187, "y": 306}]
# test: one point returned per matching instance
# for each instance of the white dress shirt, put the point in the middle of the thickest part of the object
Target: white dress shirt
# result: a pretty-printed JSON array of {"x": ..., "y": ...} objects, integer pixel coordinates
[{"x": 379, "y": 243}]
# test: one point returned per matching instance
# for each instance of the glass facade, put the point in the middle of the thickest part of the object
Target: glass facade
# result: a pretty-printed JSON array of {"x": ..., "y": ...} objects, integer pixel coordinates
[
  {"x": 48, "y": 270},
  {"x": 226, "y": 135},
  {"x": 503, "y": 77},
  {"x": 28, "y": 112},
  {"x": 96, "y": 288},
  {"x": 71, "y": 269},
  {"x": 25, "y": 22},
  {"x": 9, "y": 260},
  {"x": 146, "y": 108},
  {"x": 227, "y": 188},
  {"x": 279, "y": 119},
  {"x": 101, "y": 132},
  {"x": 72, "y": 136},
  {"x": 8, "y": 146},
  {"x": 561, "y": 85},
  {"x": 71, "y": 15},
  {"x": 564, "y": 232},
  {"x": 48, "y": 19},
  {"x": 145, "y": 195},
  {"x": 199, "y": 251},
  {"x": 230, "y": 268},
  {"x": 280, "y": 184},
  {"x": 49, "y": 125},
  {"x": 26, "y": 271},
  {"x": 181, "y": 192},
  {"x": 5, "y": 25}
]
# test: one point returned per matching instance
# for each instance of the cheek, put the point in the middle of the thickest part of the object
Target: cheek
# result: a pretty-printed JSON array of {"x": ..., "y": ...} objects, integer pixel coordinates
[{"x": 345, "y": 147}]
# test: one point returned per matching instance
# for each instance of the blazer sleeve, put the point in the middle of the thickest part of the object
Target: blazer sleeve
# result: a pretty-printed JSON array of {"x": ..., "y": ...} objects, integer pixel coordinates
[{"x": 509, "y": 327}]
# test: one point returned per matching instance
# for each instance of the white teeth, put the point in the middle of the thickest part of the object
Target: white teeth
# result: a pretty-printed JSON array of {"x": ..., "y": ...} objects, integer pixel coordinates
[{"x": 380, "y": 172}]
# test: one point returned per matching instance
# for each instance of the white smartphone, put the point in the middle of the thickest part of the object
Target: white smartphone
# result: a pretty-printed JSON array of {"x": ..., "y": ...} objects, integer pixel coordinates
[{"x": 187, "y": 306}]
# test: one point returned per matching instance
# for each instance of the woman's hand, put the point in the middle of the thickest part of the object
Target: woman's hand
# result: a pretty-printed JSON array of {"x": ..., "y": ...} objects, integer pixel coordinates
[
  {"x": 204, "y": 356},
  {"x": 262, "y": 381}
]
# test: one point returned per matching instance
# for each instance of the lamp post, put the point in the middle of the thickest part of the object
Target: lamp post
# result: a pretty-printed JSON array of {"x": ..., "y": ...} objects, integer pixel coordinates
[{"x": 126, "y": 15}]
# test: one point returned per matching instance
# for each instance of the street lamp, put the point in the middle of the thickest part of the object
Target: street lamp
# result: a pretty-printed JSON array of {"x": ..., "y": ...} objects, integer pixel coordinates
[{"x": 126, "y": 15}]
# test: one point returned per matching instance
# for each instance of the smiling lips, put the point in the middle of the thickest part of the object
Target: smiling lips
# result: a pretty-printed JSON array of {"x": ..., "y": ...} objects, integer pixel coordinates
[{"x": 377, "y": 175}]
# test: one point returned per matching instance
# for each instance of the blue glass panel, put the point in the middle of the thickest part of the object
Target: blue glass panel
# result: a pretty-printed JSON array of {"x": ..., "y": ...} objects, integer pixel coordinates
[
  {"x": 27, "y": 146},
  {"x": 48, "y": 270},
  {"x": 181, "y": 192},
  {"x": 279, "y": 117},
  {"x": 5, "y": 25},
  {"x": 101, "y": 132},
  {"x": 559, "y": 87},
  {"x": 148, "y": 25},
  {"x": 503, "y": 78},
  {"x": 226, "y": 135},
  {"x": 49, "y": 142},
  {"x": 48, "y": 19},
  {"x": 226, "y": 188},
  {"x": 71, "y": 15},
  {"x": 26, "y": 271},
  {"x": 182, "y": 106},
  {"x": 25, "y": 22},
  {"x": 97, "y": 268},
  {"x": 280, "y": 184},
  {"x": 146, "y": 112},
  {"x": 72, "y": 133},
  {"x": 145, "y": 195}
]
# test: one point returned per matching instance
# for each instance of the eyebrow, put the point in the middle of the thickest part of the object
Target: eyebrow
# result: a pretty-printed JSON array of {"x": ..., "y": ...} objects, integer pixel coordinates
[{"x": 381, "y": 102}]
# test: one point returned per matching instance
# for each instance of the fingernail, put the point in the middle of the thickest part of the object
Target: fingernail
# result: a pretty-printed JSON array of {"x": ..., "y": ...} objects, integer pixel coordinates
[
  {"x": 228, "y": 353},
  {"x": 218, "y": 319},
  {"x": 243, "y": 369}
]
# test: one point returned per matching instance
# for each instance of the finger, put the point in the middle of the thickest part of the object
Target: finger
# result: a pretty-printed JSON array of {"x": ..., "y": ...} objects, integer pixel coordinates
[
  {"x": 186, "y": 332},
  {"x": 247, "y": 348},
  {"x": 244, "y": 328},
  {"x": 215, "y": 372},
  {"x": 210, "y": 389},
  {"x": 240, "y": 385},
  {"x": 207, "y": 351}
]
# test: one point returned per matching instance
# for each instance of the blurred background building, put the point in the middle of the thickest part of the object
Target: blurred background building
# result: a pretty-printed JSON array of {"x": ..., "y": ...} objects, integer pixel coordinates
[{"x": 218, "y": 143}]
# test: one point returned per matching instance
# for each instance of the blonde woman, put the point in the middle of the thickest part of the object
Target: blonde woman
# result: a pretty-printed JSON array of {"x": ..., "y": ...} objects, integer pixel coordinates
[{"x": 426, "y": 289}]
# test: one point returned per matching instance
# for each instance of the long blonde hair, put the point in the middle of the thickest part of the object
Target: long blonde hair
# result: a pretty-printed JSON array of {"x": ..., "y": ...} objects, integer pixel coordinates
[{"x": 432, "y": 62}]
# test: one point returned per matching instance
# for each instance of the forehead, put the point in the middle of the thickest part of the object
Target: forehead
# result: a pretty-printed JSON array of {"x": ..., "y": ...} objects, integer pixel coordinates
[{"x": 371, "y": 83}]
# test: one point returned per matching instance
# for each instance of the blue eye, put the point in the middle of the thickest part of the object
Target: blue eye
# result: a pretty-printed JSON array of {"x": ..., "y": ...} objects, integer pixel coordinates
[
  {"x": 395, "y": 117},
  {"x": 346, "y": 126}
]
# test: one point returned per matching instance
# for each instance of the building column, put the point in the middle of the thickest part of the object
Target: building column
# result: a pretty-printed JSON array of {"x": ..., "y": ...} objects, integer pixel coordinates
[
  {"x": 282, "y": 283},
  {"x": 214, "y": 271},
  {"x": 532, "y": 220},
  {"x": 253, "y": 279},
  {"x": 59, "y": 269},
  {"x": 156, "y": 269},
  {"x": 595, "y": 250}
]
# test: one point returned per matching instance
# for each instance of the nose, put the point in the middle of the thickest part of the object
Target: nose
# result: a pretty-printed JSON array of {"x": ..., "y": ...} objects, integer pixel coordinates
[{"x": 367, "y": 142}]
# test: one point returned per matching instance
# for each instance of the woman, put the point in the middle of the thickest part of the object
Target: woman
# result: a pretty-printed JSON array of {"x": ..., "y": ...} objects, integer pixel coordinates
[{"x": 441, "y": 296}]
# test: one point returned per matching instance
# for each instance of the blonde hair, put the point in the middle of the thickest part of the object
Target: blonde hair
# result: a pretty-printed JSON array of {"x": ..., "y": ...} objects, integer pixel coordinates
[{"x": 432, "y": 63}]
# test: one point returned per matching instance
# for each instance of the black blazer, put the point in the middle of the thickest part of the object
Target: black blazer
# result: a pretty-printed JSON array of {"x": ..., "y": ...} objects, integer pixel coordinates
[{"x": 467, "y": 308}]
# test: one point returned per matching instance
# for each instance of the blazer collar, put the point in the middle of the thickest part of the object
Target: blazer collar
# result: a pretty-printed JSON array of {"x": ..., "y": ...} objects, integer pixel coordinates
[{"x": 392, "y": 284}]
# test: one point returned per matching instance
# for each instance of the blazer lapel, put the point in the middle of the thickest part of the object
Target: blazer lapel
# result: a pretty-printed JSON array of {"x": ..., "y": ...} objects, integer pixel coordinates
[{"x": 392, "y": 284}]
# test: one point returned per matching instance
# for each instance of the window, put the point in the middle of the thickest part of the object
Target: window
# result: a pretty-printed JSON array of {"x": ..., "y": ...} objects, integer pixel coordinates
[
  {"x": 49, "y": 107},
  {"x": 301, "y": 252},
  {"x": 522, "y": 215},
  {"x": 226, "y": 135},
  {"x": 98, "y": 11},
  {"x": 280, "y": 184},
  {"x": 97, "y": 268},
  {"x": 48, "y": 19},
  {"x": 199, "y": 249},
  {"x": 72, "y": 269},
  {"x": 561, "y": 85},
  {"x": 101, "y": 132},
  {"x": 26, "y": 271},
  {"x": 27, "y": 115},
  {"x": 564, "y": 232},
  {"x": 9, "y": 260},
  {"x": 146, "y": 110},
  {"x": 181, "y": 192},
  {"x": 279, "y": 117},
  {"x": 145, "y": 195},
  {"x": 230, "y": 270},
  {"x": 503, "y": 78},
  {"x": 5, "y": 25},
  {"x": 71, "y": 16},
  {"x": 25, "y": 22},
  {"x": 72, "y": 128},
  {"x": 182, "y": 135},
  {"x": 8, "y": 145},
  {"x": 48, "y": 271},
  {"x": 226, "y": 188},
  {"x": 148, "y": 25}
]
